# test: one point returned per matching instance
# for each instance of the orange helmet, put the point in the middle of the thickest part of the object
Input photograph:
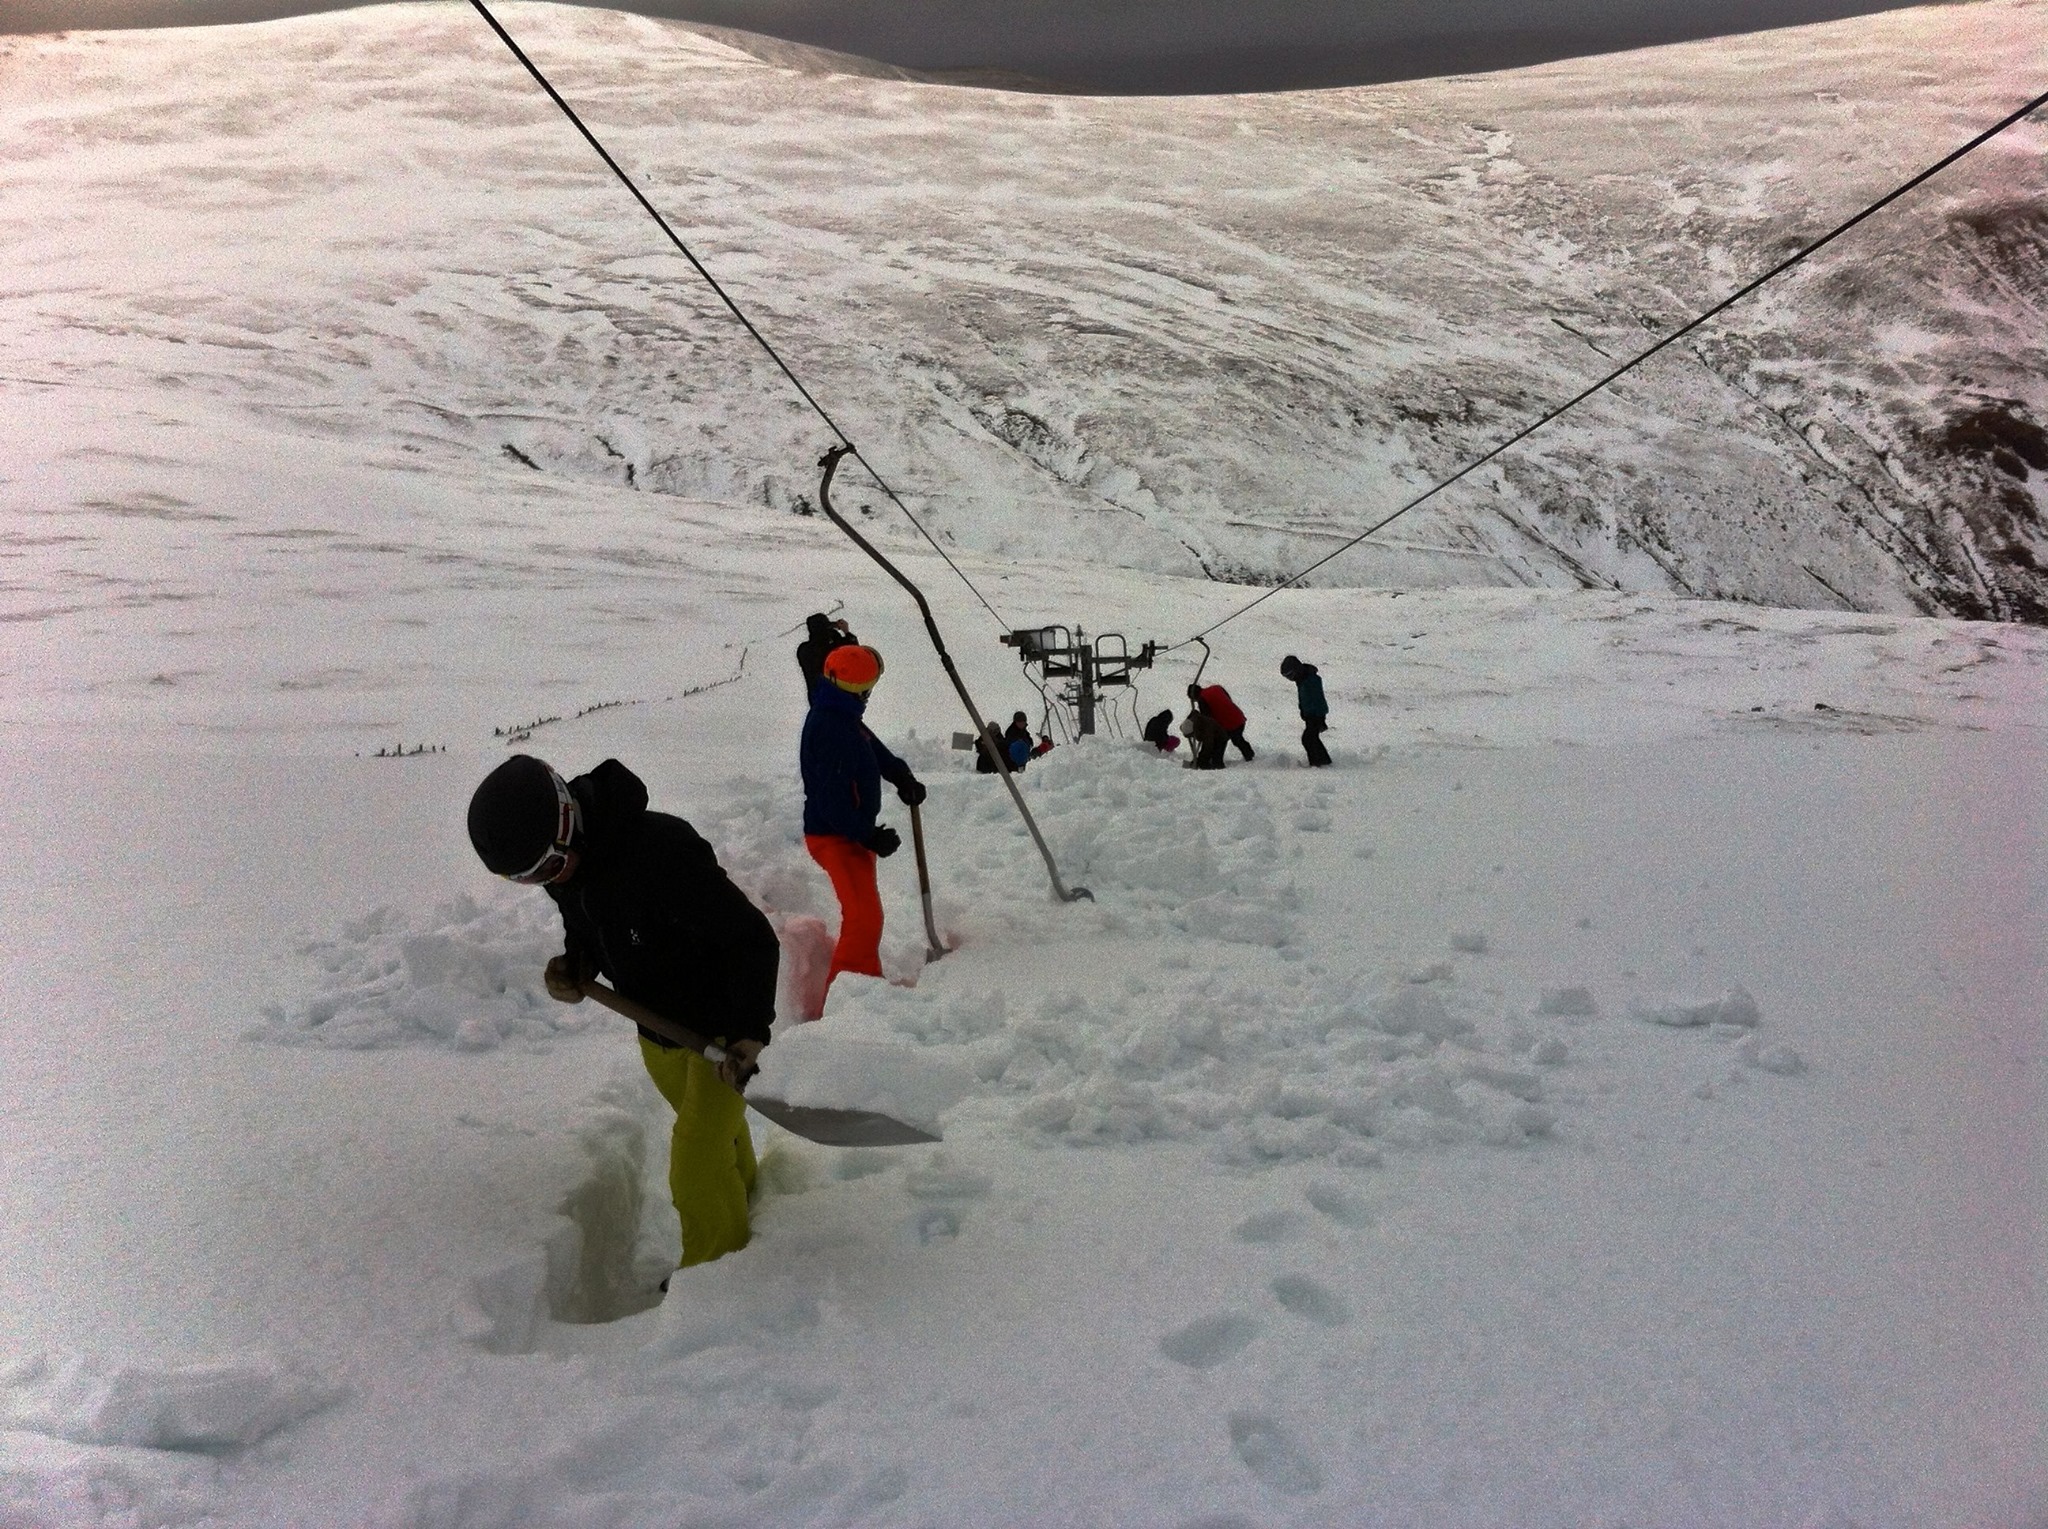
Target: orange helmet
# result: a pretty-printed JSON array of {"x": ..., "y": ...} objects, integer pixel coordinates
[{"x": 853, "y": 668}]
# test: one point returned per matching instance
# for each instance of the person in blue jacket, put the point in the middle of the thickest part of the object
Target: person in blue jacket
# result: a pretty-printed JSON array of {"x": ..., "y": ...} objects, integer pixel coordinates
[
  {"x": 844, "y": 766},
  {"x": 1315, "y": 710}
]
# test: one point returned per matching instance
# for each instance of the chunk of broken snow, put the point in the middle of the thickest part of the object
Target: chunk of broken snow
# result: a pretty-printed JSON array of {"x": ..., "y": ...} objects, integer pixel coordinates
[
  {"x": 1733, "y": 1007},
  {"x": 187, "y": 1407},
  {"x": 1471, "y": 943},
  {"x": 1567, "y": 1003},
  {"x": 1782, "y": 1060},
  {"x": 812, "y": 1065},
  {"x": 1412, "y": 1010}
]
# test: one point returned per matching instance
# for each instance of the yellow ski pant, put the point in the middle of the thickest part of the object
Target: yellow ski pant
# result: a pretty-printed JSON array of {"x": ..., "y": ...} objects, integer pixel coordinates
[{"x": 711, "y": 1156}]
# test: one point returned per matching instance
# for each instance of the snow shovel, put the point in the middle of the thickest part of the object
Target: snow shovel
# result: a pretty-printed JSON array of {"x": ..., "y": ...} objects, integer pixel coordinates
[
  {"x": 933, "y": 949},
  {"x": 819, "y": 1123}
]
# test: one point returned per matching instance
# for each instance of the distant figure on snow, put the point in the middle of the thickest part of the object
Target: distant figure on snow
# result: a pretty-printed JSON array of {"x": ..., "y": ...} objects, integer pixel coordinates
[
  {"x": 844, "y": 766},
  {"x": 993, "y": 746},
  {"x": 1205, "y": 739},
  {"x": 1019, "y": 744},
  {"x": 825, "y": 635},
  {"x": 1159, "y": 733},
  {"x": 1315, "y": 710},
  {"x": 1214, "y": 701},
  {"x": 645, "y": 903}
]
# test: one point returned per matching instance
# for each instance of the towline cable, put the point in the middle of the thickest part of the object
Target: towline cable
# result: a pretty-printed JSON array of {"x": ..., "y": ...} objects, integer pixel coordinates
[
  {"x": 1628, "y": 366},
  {"x": 725, "y": 297}
]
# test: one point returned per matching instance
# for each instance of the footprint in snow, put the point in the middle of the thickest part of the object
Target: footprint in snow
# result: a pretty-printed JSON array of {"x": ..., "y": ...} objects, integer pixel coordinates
[
  {"x": 1207, "y": 1343},
  {"x": 938, "y": 1181},
  {"x": 1267, "y": 1226},
  {"x": 861, "y": 1163},
  {"x": 1271, "y": 1455},
  {"x": 1340, "y": 1205},
  {"x": 1313, "y": 1302},
  {"x": 941, "y": 1180}
]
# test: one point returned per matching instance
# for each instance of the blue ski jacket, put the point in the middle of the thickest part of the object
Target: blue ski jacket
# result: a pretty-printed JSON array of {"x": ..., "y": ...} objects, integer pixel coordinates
[{"x": 844, "y": 765}]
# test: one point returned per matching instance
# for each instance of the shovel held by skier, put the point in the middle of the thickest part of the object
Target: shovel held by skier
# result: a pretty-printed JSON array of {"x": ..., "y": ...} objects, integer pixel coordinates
[
  {"x": 934, "y": 947},
  {"x": 828, "y": 1126}
]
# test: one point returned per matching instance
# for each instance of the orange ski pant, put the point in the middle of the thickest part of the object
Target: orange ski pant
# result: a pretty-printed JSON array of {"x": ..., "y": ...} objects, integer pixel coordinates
[{"x": 852, "y": 869}]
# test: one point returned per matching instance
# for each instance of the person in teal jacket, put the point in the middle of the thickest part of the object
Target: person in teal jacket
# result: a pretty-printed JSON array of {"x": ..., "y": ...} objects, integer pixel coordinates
[{"x": 1315, "y": 710}]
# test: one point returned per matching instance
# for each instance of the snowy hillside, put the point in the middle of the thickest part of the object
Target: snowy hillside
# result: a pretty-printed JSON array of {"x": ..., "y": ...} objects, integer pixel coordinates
[
  {"x": 1610, "y": 1095},
  {"x": 1194, "y": 335}
]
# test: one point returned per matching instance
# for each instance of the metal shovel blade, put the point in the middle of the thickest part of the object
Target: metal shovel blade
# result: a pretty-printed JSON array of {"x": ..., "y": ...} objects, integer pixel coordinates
[
  {"x": 839, "y": 1128},
  {"x": 813, "y": 1122}
]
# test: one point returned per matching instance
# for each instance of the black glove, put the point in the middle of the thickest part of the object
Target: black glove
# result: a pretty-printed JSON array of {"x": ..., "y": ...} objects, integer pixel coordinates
[
  {"x": 563, "y": 979},
  {"x": 912, "y": 792},
  {"x": 884, "y": 841}
]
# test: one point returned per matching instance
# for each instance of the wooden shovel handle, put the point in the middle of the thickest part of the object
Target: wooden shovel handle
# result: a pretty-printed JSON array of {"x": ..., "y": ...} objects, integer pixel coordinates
[{"x": 647, "y": 1019}]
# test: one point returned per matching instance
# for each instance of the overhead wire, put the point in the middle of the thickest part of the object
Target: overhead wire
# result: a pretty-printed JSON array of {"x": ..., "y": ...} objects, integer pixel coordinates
[
  {"x": 2009, "y": 120},
  {"x": 725, "y": 297}
]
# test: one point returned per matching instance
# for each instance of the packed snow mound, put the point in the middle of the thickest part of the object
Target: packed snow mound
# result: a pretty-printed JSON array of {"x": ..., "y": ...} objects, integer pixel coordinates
[
  {"x": 1268, "y": 1057},
  {"x": 845, "y": 1065},
  {"x": 463, "y": 974},
  {"x": 1292, "y": 1066},
  {"x": 208, "y": 1406},
  {"x": 1734, "y": 1008},
  {"x": 1169, "y": 851},
  {"x": 1262, "y": 1076}
]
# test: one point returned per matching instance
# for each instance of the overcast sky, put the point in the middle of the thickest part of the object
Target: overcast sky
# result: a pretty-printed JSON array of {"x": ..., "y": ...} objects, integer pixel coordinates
[{"x": 1135, "y": 45}]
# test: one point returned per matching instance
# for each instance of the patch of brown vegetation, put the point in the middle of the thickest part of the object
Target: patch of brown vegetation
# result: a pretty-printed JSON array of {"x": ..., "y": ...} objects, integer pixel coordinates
[{"x": 2000, "y": 431}]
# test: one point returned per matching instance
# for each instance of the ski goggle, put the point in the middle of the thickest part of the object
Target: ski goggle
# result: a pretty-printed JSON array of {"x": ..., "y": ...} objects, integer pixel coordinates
[{"x": 555, "y": 858}]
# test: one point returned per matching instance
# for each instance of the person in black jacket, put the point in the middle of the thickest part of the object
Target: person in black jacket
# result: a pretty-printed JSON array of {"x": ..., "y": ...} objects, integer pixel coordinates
[
  {"x": 1017, "y": 741},
  {"x": 825, "y": 635},
  {"x": 985, "y": 757},
  {"x": 645, "y": 903},
  {"x": 1315, "y": 707},
  {"x": 1159, "y": 733}
]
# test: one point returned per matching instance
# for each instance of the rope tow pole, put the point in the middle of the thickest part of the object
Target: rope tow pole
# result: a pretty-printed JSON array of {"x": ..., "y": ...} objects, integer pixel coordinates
[
  {"x": 723, "y": 296},
  {"x": 830, "y": 462},
  {"x": 1580, "y": 397}
]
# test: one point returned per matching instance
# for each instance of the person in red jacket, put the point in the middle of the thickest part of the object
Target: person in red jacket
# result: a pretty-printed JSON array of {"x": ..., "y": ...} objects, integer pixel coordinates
[{"x": 1214, "y": 702}]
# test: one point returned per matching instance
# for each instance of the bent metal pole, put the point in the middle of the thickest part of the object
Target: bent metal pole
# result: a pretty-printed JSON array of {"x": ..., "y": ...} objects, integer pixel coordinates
[{"x": 830, "y": 463}]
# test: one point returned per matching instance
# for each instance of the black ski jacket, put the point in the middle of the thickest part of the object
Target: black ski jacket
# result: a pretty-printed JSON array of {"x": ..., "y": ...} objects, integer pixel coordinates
[
  {"x": 810, "y": 653},
  {"x": 650, "y": 908}
]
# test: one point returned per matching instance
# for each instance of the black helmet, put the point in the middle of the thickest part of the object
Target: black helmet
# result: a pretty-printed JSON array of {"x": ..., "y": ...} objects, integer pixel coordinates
[
  {"x": 1288, "y": 665},
  {"x": 523, "y": 820}
]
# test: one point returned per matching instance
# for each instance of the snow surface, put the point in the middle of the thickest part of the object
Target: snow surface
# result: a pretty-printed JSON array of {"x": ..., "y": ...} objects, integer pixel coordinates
[{"x": 1610, "y": 1095}]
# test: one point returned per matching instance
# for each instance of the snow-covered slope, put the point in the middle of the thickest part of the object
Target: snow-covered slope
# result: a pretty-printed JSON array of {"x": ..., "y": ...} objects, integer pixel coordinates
[
  {"x": 1206, "y": 335},
  {"x": 1609, "y": 1095},
  {"x": 1386, "y": 1145}
]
